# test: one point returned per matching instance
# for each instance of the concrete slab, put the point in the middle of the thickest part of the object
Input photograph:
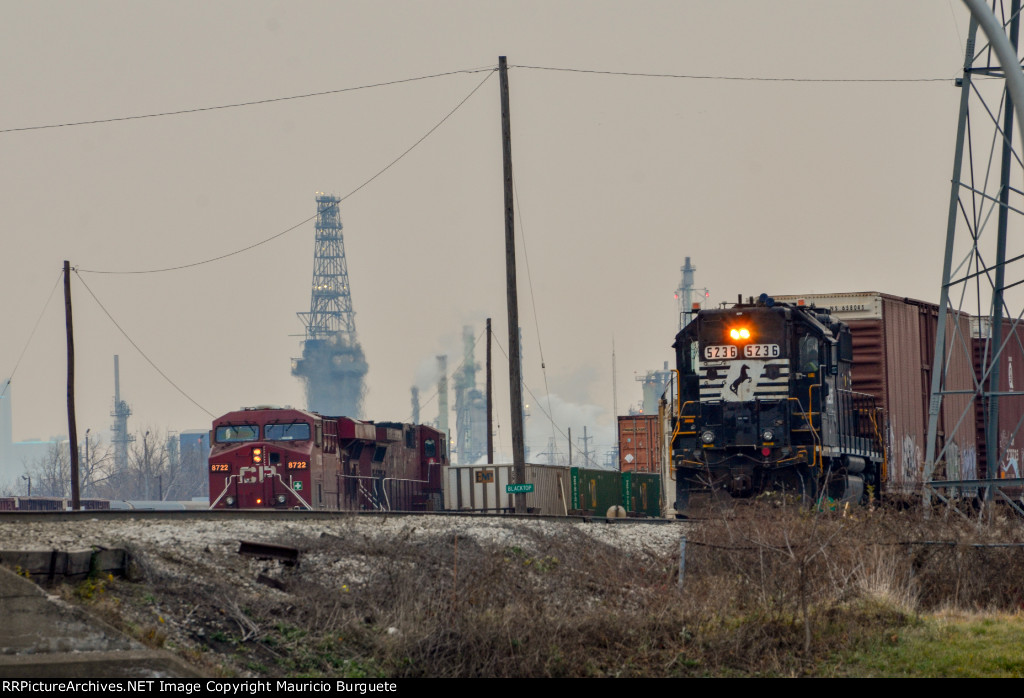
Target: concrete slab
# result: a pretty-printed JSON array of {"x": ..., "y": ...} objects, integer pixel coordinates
[{"x": 42, "y": 636}]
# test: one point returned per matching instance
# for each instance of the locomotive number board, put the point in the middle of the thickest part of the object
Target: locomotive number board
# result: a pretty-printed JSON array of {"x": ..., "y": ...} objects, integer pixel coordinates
[
  {"x": 761, "y": 351},
  {"x": 720, "y": 351},
  {"x": 750, "y": 351}
]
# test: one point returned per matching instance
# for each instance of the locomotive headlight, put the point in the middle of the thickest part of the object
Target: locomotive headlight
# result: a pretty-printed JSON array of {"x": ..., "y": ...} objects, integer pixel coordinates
[
  {"x": 257, "y": 455},
  {"x": 738, "y": 333},
  {"x": 707, "y": 436},
  {"x": 768, "y": 435}
]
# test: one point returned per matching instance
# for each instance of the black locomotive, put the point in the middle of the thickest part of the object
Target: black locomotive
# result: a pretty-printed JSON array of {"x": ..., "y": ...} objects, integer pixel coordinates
[{"x": 765, "y": 404}]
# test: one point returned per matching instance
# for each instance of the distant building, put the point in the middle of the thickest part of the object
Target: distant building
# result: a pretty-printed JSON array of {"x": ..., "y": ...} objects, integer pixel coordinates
[{"x": 194, "y": 452}]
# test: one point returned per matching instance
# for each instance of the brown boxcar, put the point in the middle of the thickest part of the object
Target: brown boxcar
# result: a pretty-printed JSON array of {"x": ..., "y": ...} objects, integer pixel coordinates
[
  {"x": 893, "y": 347},
  {"x": 1007, "y": 464}
]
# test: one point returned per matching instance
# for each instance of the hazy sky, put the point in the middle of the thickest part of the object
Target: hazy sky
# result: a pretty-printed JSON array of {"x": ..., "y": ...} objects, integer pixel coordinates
[{"x": 781, "y": 187}]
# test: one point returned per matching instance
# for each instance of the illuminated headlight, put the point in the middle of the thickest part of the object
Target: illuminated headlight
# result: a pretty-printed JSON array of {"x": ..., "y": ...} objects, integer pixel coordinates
[
  {"x": 229, "y": 500},
  {"x": 768, "y": 435},
  {"x": 281, "y": 499},
  {"x": 707, "y": 436}
]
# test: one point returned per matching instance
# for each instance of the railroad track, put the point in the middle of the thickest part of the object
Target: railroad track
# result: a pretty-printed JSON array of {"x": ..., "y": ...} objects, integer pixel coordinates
[{"x": 279, "y": 515}]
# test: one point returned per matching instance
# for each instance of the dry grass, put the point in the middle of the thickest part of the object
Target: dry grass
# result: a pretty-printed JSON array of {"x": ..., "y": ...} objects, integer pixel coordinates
[{"x": 769, "y": 590}]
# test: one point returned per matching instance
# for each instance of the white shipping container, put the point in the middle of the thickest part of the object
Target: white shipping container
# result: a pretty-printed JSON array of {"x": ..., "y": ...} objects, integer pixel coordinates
[{"x": 481, "y": 488}]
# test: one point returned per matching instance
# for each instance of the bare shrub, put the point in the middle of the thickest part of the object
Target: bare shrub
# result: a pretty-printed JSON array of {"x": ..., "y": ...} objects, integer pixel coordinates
[{"x": 769, "y": 590}]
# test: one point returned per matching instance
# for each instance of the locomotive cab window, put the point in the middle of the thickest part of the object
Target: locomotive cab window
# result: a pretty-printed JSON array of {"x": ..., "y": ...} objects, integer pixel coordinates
[
  {"x": 686, "y": 354},
  {"x": 296, "y": 431},
  {"x": 810, "y": 361},
  {"x": 430, "y": 448},
  {"x": 237, "y": 433}
]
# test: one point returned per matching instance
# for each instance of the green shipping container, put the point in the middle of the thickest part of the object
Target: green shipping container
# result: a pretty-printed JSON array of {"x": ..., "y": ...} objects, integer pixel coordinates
[
  {"x": 593, "y": 492},
  {"x": 642, "y": 494}
]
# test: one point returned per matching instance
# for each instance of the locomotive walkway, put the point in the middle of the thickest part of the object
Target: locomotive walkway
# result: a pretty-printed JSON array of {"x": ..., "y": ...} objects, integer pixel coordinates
[{"x": 42, "y": 637}]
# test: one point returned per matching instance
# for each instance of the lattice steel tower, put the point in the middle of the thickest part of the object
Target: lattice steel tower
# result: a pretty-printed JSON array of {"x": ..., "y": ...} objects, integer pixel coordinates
[
  {"x": 975, "y": 384},
  {"x": 332, "y": 364}
]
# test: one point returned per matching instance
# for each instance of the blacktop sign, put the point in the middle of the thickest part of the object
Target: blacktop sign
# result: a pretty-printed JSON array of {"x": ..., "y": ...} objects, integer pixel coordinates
[{"x": 519, "y": 489}]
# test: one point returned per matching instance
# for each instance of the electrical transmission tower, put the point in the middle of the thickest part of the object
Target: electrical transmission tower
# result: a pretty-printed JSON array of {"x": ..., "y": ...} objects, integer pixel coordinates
[
  {"x": 976, "y": 384},
  {"x": 332, "y": 364}
]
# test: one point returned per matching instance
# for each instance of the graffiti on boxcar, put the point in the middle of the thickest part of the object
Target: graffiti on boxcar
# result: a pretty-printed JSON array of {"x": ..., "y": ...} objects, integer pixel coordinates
[
  {"x": 1011, "y": 467},
  {"x": 1009, "y": 464},
  {"x": 953, "y": 462},
  {"x": 910, "y": 461},
  {"x": 969, "y": 464}
]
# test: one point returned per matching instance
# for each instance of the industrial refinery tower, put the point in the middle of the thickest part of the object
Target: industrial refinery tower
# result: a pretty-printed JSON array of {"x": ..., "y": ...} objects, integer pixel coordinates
[
  {"x": 120, "y": 438},
  {"x": 470, "y": 406},
  {"x": 332, "y": 364}
]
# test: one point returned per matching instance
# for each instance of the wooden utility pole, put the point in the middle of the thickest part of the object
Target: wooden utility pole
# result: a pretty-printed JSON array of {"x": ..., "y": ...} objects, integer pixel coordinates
[
  {"x": 76, "y": 503},
  {"x": 514, "y": 368},
  {"x": 490, "y": 404}
]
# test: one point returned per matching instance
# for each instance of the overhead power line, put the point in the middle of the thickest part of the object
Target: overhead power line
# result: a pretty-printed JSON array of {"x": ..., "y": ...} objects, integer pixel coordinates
[
  {"x": 307, "y": 220},
  {"x": 236, "y": 105},
  {"x": 741, "y": 78},
  {"x": 323, "y": 93},
  {"x": 138, "y": 349},
  {"x": 31, "y": 334}
]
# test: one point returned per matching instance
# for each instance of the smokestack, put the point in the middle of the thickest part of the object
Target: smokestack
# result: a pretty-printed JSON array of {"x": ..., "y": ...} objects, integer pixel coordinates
[{"x": 442, "y": 398}]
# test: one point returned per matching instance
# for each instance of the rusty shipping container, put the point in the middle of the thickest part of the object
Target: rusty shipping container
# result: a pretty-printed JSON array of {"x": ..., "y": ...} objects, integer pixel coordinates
[
  {"x": 893, "y": 348},
  {"x": 639, "y": 445}
]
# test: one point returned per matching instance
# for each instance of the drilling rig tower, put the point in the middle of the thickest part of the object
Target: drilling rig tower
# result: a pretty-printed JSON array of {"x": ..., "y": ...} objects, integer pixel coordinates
[{"x": 332, "y": 365}]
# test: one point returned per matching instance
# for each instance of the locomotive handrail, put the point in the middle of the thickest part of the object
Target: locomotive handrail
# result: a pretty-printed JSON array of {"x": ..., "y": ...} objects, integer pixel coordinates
[
  {"x": 817, "y": 437},
  {"x": 371, "y": 498},
  {"x": 297, "y": 495},
  {"x": 679, "y": 405},
  {"x": 387, "y": 501},
  {"x": 884, "y": 475},
  {"x": 809, "y": 420},
  {"x": 859, "y": 411},
  {"x": 227, "y": 484},
  {"x": 682, "y": 406}
]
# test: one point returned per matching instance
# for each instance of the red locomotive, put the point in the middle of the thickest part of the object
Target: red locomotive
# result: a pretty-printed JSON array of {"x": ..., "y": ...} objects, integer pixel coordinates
[{"x": 284, "y": 458}]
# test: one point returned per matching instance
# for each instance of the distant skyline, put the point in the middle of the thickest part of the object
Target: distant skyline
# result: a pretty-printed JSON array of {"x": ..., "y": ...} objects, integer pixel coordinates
[{"x": 769, "y": 186}]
